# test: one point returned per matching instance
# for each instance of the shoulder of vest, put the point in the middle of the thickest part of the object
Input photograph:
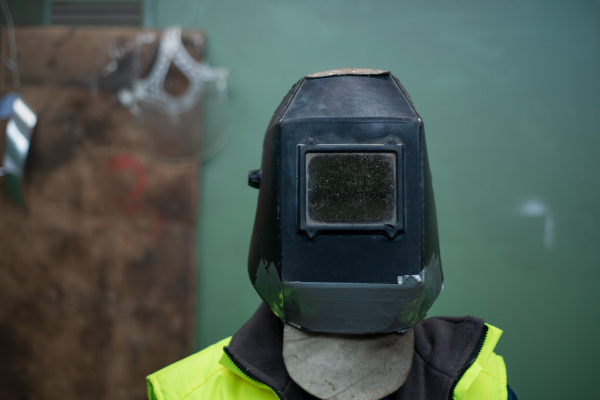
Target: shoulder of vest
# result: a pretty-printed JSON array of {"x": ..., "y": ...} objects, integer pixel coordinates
[
  {"x": 463, "y": 349},
  {"x": 486, "y": 377},
  {"x": 185, "y": 376}
]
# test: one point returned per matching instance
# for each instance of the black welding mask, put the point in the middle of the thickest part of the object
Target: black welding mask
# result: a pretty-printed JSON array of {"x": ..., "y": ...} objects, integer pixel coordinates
[{"x": 345, "y": 238}]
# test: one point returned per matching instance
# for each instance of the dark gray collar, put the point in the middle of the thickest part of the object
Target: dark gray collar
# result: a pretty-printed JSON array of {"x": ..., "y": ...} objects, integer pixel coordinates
[{"x": 443, "y": 349}]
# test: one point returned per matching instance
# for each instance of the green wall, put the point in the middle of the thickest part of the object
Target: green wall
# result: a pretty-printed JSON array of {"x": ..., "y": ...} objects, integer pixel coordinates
[{"x": 508, "y": 92}]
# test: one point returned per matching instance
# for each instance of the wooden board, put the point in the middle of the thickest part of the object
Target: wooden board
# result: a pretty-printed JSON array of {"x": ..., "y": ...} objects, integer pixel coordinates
[{"x": 97, "y": 276}]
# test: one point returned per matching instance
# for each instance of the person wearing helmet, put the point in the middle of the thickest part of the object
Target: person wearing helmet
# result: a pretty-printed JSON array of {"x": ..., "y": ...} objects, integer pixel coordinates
[{"x": 345, "y": 256}]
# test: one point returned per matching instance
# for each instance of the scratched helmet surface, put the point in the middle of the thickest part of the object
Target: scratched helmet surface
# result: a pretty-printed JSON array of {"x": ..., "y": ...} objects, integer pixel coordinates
[{"x": 345, "y": 237}]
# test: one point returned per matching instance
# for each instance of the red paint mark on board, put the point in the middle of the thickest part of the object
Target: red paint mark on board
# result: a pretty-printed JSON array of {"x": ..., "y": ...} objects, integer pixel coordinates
[{"x": 128, "y": 180}]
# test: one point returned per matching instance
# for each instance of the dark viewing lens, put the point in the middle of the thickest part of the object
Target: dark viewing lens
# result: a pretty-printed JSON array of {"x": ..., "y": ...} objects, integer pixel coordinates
[{"x": 351, "y": 188}]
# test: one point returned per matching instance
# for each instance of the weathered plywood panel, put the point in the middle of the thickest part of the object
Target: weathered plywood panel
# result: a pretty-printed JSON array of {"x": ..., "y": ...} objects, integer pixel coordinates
[{"x": 97, "y": 275}]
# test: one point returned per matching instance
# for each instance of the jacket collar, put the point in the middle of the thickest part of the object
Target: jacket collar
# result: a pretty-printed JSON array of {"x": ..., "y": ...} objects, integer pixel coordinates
[
  {"x": 443, "y": 348},
  {"x": 257, "y": 349}
]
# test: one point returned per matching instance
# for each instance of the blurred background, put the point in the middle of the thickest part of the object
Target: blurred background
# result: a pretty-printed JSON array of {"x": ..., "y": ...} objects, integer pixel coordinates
[{"x": 508, "y": 92}]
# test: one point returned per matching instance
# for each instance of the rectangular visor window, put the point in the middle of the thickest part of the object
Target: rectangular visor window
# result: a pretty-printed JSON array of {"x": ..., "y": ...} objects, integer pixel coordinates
[{"x": 351, "y": 188}]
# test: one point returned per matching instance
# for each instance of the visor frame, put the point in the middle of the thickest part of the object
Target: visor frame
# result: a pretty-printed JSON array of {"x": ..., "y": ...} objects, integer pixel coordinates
[{"x": 311, "y": 229}]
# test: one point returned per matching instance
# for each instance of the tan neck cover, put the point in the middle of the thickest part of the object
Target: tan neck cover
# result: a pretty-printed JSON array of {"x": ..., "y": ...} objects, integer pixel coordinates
[{"x": 343, "y": 367}]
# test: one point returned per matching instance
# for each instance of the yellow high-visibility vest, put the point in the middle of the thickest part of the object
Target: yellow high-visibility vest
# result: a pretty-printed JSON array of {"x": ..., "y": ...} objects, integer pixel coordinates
[{"x": 211, "y": 375}]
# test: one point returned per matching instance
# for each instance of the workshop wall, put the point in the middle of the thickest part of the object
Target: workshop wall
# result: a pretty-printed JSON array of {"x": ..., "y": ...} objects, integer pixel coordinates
[
  {"x": 97, "y": 247},
  {"x": 508, "y": 94}
]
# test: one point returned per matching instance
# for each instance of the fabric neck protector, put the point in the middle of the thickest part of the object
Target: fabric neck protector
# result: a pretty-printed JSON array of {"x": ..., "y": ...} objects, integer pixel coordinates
[{"x": 341, "y": 367}]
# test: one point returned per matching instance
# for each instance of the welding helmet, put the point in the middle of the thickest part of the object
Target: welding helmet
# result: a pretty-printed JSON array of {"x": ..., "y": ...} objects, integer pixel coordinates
[{"x": 345, "y": 237}]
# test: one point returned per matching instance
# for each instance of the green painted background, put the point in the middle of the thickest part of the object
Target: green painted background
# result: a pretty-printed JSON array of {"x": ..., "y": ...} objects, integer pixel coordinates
[{"x": 508, "y": 91}]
